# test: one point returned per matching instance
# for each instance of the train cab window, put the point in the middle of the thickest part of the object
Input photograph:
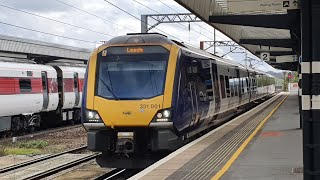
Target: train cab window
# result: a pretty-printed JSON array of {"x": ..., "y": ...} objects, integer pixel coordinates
[
  {"x": 25, "y": 85},
  {"x": 226, "y": 78},
  {"x": 132, "y": 76},
  {"x": 223, "y": 87}
]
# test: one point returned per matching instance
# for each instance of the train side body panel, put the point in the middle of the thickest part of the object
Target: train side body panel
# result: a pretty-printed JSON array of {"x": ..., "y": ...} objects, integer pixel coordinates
[
  {"x": 72, "y": 79},
  {"x": 21, "y": 89}
]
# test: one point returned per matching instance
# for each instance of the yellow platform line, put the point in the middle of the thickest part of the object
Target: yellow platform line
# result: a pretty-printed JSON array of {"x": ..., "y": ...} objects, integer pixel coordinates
[{"x": 245, "y": 143}]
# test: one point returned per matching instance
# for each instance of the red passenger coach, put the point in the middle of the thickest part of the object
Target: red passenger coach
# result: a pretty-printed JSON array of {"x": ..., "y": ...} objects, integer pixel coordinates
[
  {"x": 71, "y": 82},
  {"x": 31, "y": 94}
]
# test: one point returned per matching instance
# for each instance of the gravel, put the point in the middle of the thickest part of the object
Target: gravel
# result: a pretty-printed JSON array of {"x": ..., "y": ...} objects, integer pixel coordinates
[
  {"x": 63, "y": 140},
  {"x": 58, "y": 141}
]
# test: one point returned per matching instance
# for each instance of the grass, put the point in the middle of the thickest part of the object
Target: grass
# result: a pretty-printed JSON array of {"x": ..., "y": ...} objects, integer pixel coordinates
[
  {"x": 24, "y": 148},
  {"x": 33, "y": 144},
  {"x": 22, "y": 151}
]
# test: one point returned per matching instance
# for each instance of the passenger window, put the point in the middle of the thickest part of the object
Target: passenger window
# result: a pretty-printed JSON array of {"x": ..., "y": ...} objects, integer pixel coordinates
[
  {"x": 44, "y": 81},
  {"x": 223, "y": 87},
  {"x": 247, "y": 85},
  {"x": 75, "y": 80},
  {"x": 201, "y": 77},
  {"x": 236, "y": 84},
  {"x": 231, "y": 82},
  {"x": 226, "y": 78},
  {"x": 209, "y": 89},
  {"x": 25, "y": 85},
  {"x": 242, "y": 88}
]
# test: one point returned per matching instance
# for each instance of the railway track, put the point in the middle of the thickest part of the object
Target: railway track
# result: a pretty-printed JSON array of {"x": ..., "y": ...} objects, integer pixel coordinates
[{"x": 47, "y": 165}]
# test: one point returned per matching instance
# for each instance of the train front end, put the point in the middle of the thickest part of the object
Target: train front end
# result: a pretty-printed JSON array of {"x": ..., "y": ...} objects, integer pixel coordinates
[{"x": 127, "y": 106}]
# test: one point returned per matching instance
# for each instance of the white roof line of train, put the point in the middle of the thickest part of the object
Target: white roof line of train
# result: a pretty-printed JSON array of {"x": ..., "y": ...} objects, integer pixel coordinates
[{"x": 221, "y": 60}]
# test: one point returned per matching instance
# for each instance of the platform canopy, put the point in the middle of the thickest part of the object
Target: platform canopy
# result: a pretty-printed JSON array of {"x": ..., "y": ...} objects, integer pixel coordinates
[
  {"x": 262, "y": 26},
  {"x": 16, "y": 47}
]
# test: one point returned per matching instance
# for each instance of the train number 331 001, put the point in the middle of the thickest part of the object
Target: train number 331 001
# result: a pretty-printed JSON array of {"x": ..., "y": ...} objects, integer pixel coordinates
[{"x": 147, "y": 106}]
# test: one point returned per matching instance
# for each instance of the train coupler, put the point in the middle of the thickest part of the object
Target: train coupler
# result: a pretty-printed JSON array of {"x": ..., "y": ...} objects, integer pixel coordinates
[{"x": 125, "y": 142}]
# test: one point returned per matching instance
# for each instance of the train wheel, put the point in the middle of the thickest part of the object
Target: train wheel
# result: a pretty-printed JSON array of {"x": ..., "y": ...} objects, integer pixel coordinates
[
  {"x": 77, "y": 116},
  {"x": 16, "y": 124},
  {"x": 31, "y": 129},
  {"x": 72, "y": 122}
]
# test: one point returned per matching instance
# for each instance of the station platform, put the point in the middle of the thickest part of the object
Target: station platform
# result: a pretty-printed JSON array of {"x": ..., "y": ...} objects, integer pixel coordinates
[{"x": 264, "y": 143}]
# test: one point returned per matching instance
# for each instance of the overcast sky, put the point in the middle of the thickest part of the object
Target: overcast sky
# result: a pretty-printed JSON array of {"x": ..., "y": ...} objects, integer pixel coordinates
[{"x": 104, "y": 22}]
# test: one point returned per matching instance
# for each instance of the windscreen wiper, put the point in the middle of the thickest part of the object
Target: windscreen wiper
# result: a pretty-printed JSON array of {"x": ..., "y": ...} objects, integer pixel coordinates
[{"x": 108, "y": 88}]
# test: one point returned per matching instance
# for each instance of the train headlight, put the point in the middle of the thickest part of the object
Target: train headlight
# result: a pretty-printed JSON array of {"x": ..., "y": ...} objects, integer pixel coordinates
[
  {"x": 92, "y": 116},
  {"x": 166, "y": 113},
  {"x": 159, "y": 115},
  {"x": 163, "y": 115}
]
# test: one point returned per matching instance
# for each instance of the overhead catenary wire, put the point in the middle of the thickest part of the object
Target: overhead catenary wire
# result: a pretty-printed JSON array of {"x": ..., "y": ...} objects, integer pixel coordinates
[
  {"x": 140, "y": 19},
  {"x": 86, "y": 12},
  {"x": 175, "y": 11},
  {"x": 51, "y": 34},
  {"x": 195, "y": 23},
  {"x": 146, "y": 6},
  {"x": 61, "y": 22}
]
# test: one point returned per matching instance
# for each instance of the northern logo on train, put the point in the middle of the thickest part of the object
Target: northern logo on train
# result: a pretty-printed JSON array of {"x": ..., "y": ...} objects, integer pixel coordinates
[{"x": 127, "y": 113}]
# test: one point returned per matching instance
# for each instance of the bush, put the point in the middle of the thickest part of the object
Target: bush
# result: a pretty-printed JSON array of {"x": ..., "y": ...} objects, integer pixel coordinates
[
  {"x": 33, "y": 144},
  {"x": 2, "y": 151}
]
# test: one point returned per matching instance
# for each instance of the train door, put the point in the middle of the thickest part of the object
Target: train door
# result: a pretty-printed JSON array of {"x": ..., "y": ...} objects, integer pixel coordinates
[
  {"x": 76, "y": 88},
  {"x": 239, "y": 88},
  {"x": 192, "y": 71},
  {"x": 45, "y": 90},
  {"x": 215, "y": 86},
  {"x": 248, "y": 80}
]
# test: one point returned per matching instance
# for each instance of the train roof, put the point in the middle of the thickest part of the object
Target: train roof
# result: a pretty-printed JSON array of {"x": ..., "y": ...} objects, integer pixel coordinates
[
  {"x": 26, "y": 66},
  {"x": 139, "y": 38},
  {"x": 156, "y": 38}
]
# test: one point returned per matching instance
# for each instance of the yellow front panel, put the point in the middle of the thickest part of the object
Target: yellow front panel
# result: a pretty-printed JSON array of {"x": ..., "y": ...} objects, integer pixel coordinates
[
  {"x": 170, "y": 76},
  {"x": 91, "y": 79},
  {"x": 127, "y": 112},
  {"x": 120, "y": 113}
]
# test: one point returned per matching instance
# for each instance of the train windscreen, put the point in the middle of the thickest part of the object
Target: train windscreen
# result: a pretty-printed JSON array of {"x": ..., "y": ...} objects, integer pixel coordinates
[{"x": 131, "y": 76}]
